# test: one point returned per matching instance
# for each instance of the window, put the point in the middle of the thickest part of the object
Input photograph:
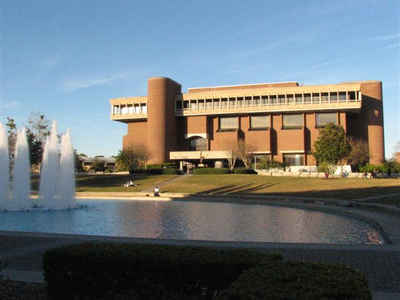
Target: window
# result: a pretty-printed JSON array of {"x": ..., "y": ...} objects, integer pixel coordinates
[
  {"x": 307, "y": 98},
  {"x": 342, "y": 96},
  {"x": 201, "y": 104},
  {"x": 193, "y": 105},
  {"x": 143, "y": 107},
  {"x": 334, "y": 97},
  {"x": 321, "y": 119},
  {"x": 293, "y": 121},
  {"x": 293, "y": 159},
  {"x": 315, "y": 97},
  {"x": 264, "y": 100},
  {"x": 324, "y": 97},
  {"x": 228, "y": 123},
  {"x": 290, "y": 99},
  {"x": 179, "y": 105},
  {"x": 281, "y": 99},
  {"x": 299, "y": 98},
  {"x": 260, "y": 122},
  {"x": 198, "y": 144}
]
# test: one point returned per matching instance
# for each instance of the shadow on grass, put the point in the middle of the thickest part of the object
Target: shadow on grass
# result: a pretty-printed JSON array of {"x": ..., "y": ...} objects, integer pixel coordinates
[{"x": 345, "y": 194}]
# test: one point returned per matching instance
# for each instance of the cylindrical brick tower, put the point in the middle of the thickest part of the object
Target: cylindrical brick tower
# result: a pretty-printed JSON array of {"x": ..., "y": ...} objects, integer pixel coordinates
[
  {"x": 372, "y": 101},
  {"x": 161, "y": 93}
]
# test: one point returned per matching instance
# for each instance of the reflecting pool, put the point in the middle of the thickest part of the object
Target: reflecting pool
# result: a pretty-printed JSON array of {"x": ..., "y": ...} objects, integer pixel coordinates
[{"x": 193, "y": 220}]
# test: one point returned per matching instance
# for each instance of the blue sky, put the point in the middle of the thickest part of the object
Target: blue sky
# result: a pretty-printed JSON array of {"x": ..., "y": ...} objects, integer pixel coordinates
[{"x": 66, "y": 59}]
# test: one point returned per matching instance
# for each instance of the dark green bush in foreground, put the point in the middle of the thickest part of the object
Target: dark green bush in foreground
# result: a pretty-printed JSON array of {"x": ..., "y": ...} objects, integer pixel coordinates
[
  {"x": 207, "y": 171},
  {"x": 95, "y": 269},
  {"x": 300, "y": 281}
]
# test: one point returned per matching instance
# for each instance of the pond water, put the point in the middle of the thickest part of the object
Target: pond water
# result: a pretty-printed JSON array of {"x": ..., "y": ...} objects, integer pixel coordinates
[{"x": 193, "y": 221}]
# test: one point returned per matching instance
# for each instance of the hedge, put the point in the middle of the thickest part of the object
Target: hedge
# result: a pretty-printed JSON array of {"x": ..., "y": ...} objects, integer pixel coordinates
[
  {"x": 156, "y": 171},
  {"x": 95, "y": 269},
  {"x": 300, "y": 281},
  {"x": 207, "y": 171},
  {"x": 244, "y": 171}
]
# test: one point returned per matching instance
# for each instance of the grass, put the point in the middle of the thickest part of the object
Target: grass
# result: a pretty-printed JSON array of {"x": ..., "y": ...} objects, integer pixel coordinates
[
  {"x": 112, "y": 183},
  {"x": 336, "y": 188},
  {"x": 339, "y": 188}
]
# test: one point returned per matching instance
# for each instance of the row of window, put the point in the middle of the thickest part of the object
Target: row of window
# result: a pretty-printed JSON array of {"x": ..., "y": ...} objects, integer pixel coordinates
[
  {"x": 129, "y": 109},
  {"x": 289, "y": 121},
  {"x": 311, "y": 98}
]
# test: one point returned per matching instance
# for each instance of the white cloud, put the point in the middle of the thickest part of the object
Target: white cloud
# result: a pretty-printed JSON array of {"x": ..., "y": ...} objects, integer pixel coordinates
[
  {"x": 76, "y": 84},
  {"x": 387, "y": 37}
]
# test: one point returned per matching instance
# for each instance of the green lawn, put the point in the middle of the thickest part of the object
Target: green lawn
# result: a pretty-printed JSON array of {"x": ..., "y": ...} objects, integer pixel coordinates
[{"x": 338, "y": 188}]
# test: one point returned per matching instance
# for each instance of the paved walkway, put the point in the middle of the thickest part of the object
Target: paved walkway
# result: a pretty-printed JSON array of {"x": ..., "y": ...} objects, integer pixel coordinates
[{"x": 381, "y": 263}]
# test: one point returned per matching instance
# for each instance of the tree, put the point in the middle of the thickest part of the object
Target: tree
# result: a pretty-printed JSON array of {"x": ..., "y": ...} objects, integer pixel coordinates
[
  {"x": 37, "y": 131},
  {"x": 132, "y": 157},
  {"x": 332, "y": 145},
  {"x": 240, "y": 150},
  {"x": 359, "y": 154},
  {"x": 12, "y": 136}
]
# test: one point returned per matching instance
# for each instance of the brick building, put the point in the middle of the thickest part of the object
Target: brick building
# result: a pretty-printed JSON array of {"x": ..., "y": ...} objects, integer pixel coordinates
[{"x": 277, "y": 120}]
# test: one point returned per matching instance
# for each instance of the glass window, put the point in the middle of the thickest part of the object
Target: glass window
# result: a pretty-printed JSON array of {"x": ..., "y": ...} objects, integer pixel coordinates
[
  {"x": 201, "y": 104},
  {"x": 299, "y": 98},
  {"x": 293, "y": 159},
  {"x": 198, "y": 144},
  {"x": 272, "y": 99},
  {"x": 315, "y": 97},
  {"x": 209, "y": 103},
  {"x": 290, "y": 99},
  {"x": 307, "y": 98},
  {"x": 334, "y": 97},
  {"x": 342, "y": 96},
  {"x": 259, "y": 122},
  {"x": 264, "y": 100},
  {"x": 281, "y": 99},
  {"x": 322, "y": 119},
  {"x": 228, "y": 123},
  {"x": 179, "y": 105},
  {"x": 324, "y": 97},
  {"x": 293, "y": 121}
]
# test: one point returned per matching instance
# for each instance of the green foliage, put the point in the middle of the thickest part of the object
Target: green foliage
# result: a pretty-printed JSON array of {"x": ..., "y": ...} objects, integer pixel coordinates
[
  {"x": 359, "y": 153},
  {"x": 93, "y": 269},
  {"x": 326, "y": 168},
  {"x": 300, "y": 281},
  {"x": 156, "y": 171},
  {"x": 331, "y": 145},
  {"x": 266, "y": 163},
  {"x": 131, "y": 158},
  {"x": 388, "y": 167},
  {"x": 243, "y": 171},
  {"x": 207, "y": 171}
]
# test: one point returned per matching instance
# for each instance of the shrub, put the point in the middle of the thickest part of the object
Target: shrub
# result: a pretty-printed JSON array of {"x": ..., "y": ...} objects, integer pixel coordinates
[
  {"x": 208, "y": 171},
  {"x": 267, "y": 164},
  {"x": 244, "y": 171},
  {"x": 94, "y": 269},
  {"x": 299, "y": 280},
  {"x": 326, "y": 168},
  {"x": 169, "y": 171}
]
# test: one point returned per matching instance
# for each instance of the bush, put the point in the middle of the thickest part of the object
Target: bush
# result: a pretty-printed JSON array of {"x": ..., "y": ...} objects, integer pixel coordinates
[
  {"x": 244, "y": 171},
  {"x": 327, "y": 168},
  {"x": 267, "y": 164},
  {"x": 156, "y": 171},
  {"x": 299, "y": 280},
  {"x": 208, "y": 171},
  {"x": 94, "y": 269}
]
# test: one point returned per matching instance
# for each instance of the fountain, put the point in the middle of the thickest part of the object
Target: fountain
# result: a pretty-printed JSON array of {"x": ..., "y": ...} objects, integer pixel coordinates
[{"x": 57, "y": 179}]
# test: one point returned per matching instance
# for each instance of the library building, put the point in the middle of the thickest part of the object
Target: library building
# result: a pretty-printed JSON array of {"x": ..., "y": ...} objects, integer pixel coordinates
[{"x": 278, "y": 121}]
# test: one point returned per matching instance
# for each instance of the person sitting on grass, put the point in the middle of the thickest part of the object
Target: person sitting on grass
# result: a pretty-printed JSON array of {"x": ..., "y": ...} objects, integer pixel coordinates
[{"x": 156, "y": 191}]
